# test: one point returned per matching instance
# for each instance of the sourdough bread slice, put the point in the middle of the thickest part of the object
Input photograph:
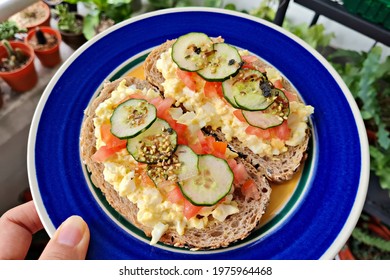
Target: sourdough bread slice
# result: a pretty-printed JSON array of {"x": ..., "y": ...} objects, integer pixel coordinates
[
  {"x": 216, "y": 234},
  {"x": 278, "y": 168}
]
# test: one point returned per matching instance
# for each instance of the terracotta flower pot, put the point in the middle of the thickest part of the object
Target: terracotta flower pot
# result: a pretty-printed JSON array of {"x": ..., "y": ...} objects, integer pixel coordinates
[
  {"x": 49, "y": 54},
  {"x": 25, "y": 77},
  {"x": 37, "y": 14}
]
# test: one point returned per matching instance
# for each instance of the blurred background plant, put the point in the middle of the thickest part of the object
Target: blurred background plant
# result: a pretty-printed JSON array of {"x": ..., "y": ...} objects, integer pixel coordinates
[
  {"x": 103, "y": 14},
  {"x": 67, "y": 20},
  {"x": 9, "y": 30}
]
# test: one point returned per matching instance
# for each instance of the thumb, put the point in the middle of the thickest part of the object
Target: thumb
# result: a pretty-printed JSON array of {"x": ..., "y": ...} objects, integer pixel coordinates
[{"x": 70, "y": 241}]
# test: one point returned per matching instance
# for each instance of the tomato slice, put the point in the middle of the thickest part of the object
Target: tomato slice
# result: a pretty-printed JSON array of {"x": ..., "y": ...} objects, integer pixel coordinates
[
  {"x": 278, "y": 84},
  {"x": 190, "y": 79},
  {"x": 213, "y": 89},
  {"x": 238, "y": 114},
  {"x": 261, "y": 133},
  {"x": 250, "y": 190},
  {"x": 283, "y": 132},
  {"x": 190, "y": 210},
  {"x": 248, "y": 62},
  {"x": 290, "y": 96},
  {"x": 175, "y": 196},
  {"x": 109, "y": 139},
  {"x": 113, "y": 144},
  {"x": 162, "y": 105},
  {"x": 219, "y": 149},
  {"x": 104, "y": 153}
]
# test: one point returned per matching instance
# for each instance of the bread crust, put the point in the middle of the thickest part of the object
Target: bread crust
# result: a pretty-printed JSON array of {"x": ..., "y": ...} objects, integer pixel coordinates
[
  {"x": 278, "y": 168},
  {"x": 216, "y": 234}
]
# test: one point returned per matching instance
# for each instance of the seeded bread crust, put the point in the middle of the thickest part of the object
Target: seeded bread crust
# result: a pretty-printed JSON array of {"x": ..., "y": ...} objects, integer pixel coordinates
[
  {"x": 216, "y": 234},
  {"x": 278, "y": 168}
]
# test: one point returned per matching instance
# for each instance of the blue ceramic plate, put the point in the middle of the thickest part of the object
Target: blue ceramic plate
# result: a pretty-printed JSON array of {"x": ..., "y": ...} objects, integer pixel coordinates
[{"x": 315, "y": 221}]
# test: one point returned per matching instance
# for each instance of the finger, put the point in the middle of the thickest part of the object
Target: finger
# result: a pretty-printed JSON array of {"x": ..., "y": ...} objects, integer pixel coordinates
[
  {"x": 70, "y": 241},
  {"x": 16, "y": 229}
]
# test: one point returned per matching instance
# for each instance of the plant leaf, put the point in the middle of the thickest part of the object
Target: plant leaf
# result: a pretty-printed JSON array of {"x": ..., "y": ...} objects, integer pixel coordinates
[{"x": 90, "y": 22}]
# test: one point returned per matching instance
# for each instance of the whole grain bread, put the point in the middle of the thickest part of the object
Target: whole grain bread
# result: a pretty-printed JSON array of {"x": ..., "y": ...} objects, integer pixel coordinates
[
  {"x": 278, "y": 168},
  {"x": 216, "y": 234}
]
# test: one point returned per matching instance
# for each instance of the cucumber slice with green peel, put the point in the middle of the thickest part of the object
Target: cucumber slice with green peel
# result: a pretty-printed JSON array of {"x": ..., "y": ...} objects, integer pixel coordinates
[
  {"x": 188, "y": 160},
  {"x": 213, "y": 182},
  {"x": 247, "y": 90},
  {"x": 182, "y": 165},
  {"x": 253, "y": 101},
  {"x": 190, "y": 51},
  {"x": 155, "y": 144},
  {"x": 132, "y": 117},
  {"x": 262, "y": 119},
  {"x": 222, "y": 63},
  {"x": 273, "y": 116}
]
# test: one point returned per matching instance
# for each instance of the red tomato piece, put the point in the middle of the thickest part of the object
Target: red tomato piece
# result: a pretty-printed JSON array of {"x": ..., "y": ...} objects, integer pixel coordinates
[
  {"x": 190, "y": 79},
  {"x": 109, "y": 139},
  {"x": 238, "y": 114},
  {"x": 240, "y": 174},
  {"x": 190, "y": 210},
  {"x": 175, "y": 196},
  {"x": 219, "y": 149},
  {"x": 213, "y": 89},
  {"x": 104, "y": 153},
  {"x": 146, "y": 180},
  {"x": 282, "y": 131},
  {"x": 290, "y": 96},
  {"x": 196, "y": 147},
  {"x": 278, "y": 84},
  {"x": 250, "y": 190},
  {"x": 248, "y": 62},
  {"x": 162, "y": 105},
  {"x": 261, "y": 133}
]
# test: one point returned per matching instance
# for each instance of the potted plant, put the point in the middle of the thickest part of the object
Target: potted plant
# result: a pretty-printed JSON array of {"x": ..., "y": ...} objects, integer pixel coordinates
[
  {"x": 37, "y": 14},
  {"x": 17, "y": 65},
  {"x": 103, "y": 14},
  {"x": 46, "y": 44},
  {"x": 9, "y": 30},
  {"x": 70, "y": 25}
]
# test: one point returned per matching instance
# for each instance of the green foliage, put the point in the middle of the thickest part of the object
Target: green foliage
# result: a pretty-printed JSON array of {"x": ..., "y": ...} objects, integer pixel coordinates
[
  {"x": 314, "y": 35},
  {"x": 67, "y": 20},
  {"x": 117, "y": 10},
  {"x": 368, "y": 78},
  {"x": 264, "y": 10},
  {"x": 368, "y": 239},
  {"x": 8, "y": 30}
]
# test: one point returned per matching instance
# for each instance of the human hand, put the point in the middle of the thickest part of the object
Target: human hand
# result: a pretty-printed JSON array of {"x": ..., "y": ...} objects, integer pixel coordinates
[{"x": 17, "y": 226}]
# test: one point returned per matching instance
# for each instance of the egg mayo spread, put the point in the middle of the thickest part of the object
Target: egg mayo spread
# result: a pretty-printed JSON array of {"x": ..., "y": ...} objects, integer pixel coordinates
[
  {"x": 124, "y": 174},
  {"x": 215, "y": 112}
]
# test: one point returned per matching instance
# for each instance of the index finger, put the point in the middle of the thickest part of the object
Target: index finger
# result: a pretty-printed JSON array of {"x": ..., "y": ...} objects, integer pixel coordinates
[{"x": 17, "y": 226}]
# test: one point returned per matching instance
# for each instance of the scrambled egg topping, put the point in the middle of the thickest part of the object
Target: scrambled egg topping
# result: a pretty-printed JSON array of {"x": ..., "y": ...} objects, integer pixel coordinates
[
  {"x": 155, "y": 211},
  {"x": 215, "y": 112}
]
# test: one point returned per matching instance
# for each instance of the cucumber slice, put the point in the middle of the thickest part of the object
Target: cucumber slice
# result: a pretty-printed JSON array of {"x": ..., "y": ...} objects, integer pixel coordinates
[
  {"x": 224, "y": 62},
  {"x": 273, "y": 116},
  {"x": 188, "y": 162},
  {"x": 182, "y": 165},
  {"x": 190, "y": 51},
  {"x": 247, "y": 90},
  {"x": 132, "y": 117},
  {"x": 213, "y": 182},
  {"x": 155, "y": 144}
]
